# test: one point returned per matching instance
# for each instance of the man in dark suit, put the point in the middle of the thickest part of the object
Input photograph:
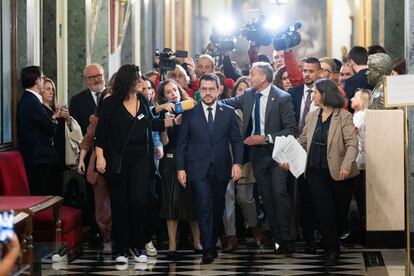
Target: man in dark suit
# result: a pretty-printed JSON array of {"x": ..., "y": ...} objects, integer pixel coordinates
[
  {"x": 35, "y": 131},
  {"x": 302, "y": 95},
  {"x": 268, "y": 113},
  {"x": 204, "y": 160},
  {"x": 82, "y": 105},
  {"x": 357, "y": 59},
  {"x": 302, "y": 98}
]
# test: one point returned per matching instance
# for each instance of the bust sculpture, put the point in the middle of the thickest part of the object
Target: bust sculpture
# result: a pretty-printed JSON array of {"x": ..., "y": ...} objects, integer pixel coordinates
[{"x": 379, "y": 65}]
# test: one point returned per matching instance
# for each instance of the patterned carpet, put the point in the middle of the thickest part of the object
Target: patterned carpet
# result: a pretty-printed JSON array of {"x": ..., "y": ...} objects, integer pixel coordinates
[{"x": 246, "y": 261}]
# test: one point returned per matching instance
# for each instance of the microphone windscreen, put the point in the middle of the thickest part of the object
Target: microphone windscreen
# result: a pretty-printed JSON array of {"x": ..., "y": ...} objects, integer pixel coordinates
[
  {"x": 184, "y": 105},
  {"x": 229, "y": 83}
]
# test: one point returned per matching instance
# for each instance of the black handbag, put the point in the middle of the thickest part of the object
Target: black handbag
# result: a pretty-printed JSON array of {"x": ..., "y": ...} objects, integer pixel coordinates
[{"x": 116, "y": 165}]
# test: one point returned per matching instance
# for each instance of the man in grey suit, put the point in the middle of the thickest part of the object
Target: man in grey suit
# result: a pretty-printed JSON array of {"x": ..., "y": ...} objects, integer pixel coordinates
[{"x": 267, "y": 113}]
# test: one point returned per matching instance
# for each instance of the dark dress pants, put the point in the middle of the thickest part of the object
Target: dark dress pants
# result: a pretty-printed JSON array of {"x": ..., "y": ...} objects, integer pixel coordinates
[
  {"x": 37, "y": 176},
  {"x": 307, "y": 211},
  {"x": 210, "y": 194},
  {"x": 332, "y": 199},
  {"x": 272, "y": 184},
  {"x": 131, "y": 205}
]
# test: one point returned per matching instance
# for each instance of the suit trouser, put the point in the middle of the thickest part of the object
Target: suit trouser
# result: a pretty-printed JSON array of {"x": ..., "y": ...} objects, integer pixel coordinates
[
  {"x": 37, "y": 176},
  {"x": 359, "y": 193},
  {"x": 332, "y": 199},
  {"x": 103, "y": 207},
  {"x": 272, "y": 184},
  {"x": 131, "y": 206},
  {"x": 210, "y": 204},
  {"x": 307, "y": 211},
  {"x": 244, "y": 196}
]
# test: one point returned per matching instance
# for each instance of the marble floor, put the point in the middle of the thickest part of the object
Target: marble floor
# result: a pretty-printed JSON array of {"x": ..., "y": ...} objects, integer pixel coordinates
[{"x": 245, "y": 261}]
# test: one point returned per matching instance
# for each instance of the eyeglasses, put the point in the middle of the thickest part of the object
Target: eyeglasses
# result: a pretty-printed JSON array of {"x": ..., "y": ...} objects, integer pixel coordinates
[
  {"x": 326, "y": 70},
  {"x": 96, "y": 77}
]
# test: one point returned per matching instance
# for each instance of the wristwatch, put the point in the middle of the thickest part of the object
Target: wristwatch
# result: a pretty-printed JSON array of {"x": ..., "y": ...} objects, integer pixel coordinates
[{"x": 267, "y": 139}]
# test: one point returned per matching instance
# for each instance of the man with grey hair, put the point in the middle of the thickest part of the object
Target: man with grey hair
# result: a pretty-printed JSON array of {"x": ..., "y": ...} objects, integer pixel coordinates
[
  {"x": 267, "y": 113},
  {"x": 379, "y": 65},
  {"x": 83, "y": 105},
  {"x": 205, "y": 64}
]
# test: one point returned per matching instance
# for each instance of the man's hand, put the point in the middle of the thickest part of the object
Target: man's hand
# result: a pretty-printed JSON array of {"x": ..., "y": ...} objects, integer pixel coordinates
[
  {"x": 159, "y": 152},
  {"x": 14, "y": 244},
  {"x": 255, "y": 140},
  {"x": 182, "y": 178},
  {"x": 284, "y": 166},
  {"x": 191, "y": 67},
  {"x": 236, "y": 172},
  {"x": 343, "y": 173}
]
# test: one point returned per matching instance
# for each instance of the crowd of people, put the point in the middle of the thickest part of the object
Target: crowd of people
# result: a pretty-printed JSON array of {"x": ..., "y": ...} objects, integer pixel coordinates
[{"x": 152, "y": 158}]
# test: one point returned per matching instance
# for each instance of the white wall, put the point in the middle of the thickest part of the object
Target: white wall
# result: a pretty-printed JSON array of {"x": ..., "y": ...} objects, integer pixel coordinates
[{"x": 341, "y": 27}]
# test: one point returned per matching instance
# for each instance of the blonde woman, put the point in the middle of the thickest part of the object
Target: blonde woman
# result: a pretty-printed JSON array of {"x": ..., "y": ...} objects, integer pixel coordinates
[
  {"x": 61, "y": 114},
  {"x": 360, "y": 103}
]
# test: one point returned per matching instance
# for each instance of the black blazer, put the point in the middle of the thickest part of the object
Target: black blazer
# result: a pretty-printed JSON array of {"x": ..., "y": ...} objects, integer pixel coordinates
[
  {"x": 297, "y": 94},
  {"x": 35, "y": 131},
  {"x": 82, "y": 106}
]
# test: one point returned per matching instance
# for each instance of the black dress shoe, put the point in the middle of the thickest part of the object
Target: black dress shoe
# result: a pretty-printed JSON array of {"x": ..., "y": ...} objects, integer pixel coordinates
[
  {"x": 173, "y": 256},
  {"x": 310, "y": 248},
  {"x": 209, "y": 256},
  {"x": 198, "y": 251},
  {"x": 284, "y": 248},
  {"x": 330, "y": 257}
]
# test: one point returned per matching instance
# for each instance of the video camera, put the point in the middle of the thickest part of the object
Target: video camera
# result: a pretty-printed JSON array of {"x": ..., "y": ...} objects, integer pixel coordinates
[
  {"x": 256, "y": 31},
  {"x": 221, "y": 43},
  {"x": 287, "y": 38},
  {"x": 168, "y": 59}
]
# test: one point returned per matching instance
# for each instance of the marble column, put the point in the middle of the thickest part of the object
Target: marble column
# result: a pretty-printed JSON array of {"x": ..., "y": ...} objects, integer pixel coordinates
[
  {"x": 394, "y": 27},
  {"x": 76, "y": 46},
  {"x": 409, "y": 55},
  {"x": 127, "y": 55},
  {"x": 49, "y": 60},
  {"x": 22, "y": 61},
  {"x": 100, "y": 50}
]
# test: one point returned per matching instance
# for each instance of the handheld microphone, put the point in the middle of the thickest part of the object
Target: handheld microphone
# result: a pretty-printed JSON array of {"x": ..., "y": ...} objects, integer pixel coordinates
[
  {"x": 197, "y": 96},
  {"x": 183, "y": 106}
]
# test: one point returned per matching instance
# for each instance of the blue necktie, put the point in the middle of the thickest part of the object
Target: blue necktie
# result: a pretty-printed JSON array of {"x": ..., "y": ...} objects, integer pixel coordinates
[
  {"x": 257, "y": 114},
  {"x": 210, "y": 120}
]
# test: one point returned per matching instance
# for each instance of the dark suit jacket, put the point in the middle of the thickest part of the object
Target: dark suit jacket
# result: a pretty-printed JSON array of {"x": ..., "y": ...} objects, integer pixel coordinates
[
  {"x": 82, "y": 106},
  {"x": 35, "y": 131},
  {"x": 280, "y": 115},
  {"x": 297, "y": 94},
  {"x": 359, "y": 80},
  {"x": 198, "y": 146}
]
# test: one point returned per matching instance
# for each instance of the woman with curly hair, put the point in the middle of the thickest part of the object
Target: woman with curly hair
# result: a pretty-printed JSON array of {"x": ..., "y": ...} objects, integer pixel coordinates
[
  {"x": 177, "y": 203},
  {"x": 124, "y": 154}
]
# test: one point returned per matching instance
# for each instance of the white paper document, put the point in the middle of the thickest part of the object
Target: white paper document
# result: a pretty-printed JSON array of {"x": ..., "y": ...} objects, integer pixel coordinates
[{"x": 288, "y": 150}]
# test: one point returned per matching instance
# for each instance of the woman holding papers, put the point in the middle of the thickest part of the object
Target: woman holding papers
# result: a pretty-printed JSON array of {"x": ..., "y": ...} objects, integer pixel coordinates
[{"x": 331, "y": 142}]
